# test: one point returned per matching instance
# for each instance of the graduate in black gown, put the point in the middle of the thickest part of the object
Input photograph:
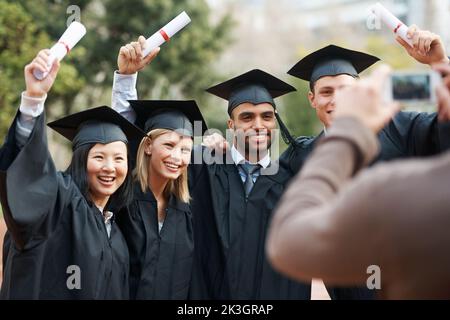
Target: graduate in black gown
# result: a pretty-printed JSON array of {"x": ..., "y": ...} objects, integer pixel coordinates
[
  {"x": 64, "y": 242},
  {"x": 242, "y": 187},
  {"x": 158, "y": 224},
  {"x": 229, "y": 232},
  {"x": 408, "y": 134}
]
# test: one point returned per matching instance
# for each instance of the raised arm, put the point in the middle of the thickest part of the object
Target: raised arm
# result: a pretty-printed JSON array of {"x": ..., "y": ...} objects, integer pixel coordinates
[
  {"x": 130, "y": 60},
  {"x": 28, "y": 176},
  {"x": 428, "y": 47},
  {"x": 33, "y": 98}
]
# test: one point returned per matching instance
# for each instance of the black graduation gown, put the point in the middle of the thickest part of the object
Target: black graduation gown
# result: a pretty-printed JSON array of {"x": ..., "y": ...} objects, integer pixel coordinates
[
  {"x": 209, "y": 260},
  {"x": 409, "y": 134},
  {"x": 241, "y": 228},
  {"x": 160, "y": 263},
  {"x": 51, "y": 227}
]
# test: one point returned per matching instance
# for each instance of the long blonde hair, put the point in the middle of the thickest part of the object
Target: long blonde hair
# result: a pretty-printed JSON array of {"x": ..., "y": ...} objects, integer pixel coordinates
[{"x": 178, "y": 187}]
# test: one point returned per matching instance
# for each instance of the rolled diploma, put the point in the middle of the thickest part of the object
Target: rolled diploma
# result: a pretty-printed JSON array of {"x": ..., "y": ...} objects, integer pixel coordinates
[
  {"x": 166, "y": 32},
  {"x": 392, "y": 22},
  {"x": 68, "y": 40}
]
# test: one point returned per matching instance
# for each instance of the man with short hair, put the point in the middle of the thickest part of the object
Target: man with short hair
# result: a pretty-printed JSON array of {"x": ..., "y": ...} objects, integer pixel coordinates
[{"x": 333, "y": 68}]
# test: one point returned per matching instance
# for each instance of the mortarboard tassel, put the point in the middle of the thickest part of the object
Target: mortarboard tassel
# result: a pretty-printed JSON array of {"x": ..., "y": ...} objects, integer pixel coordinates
[{"x": 285, "y": 134}]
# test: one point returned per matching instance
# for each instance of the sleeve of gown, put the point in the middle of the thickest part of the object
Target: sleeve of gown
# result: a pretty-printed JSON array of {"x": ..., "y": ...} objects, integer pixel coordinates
[
  {"x": 295, "y": 156},
  {"x": 418, "y": 134},
  {"x": 124, "y": 89},
  {"x": 30, "y": 187},
  {"x": 319, "y": 225},
  {"x": 30, "y": 109}
]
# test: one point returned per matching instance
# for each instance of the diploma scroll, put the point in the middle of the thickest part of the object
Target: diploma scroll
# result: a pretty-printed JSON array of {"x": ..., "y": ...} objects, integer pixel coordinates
[
  {"x": 68, "y": 40},
  {"x": 166, "y": 32},
  {"x": 391, "y": 21}
]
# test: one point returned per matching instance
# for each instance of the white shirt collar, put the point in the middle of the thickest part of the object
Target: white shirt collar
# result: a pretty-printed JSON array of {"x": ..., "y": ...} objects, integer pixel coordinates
[
  {"x": 325, "y": 130},
  {"x": 107, "y": 215},
  {"x": 238, "y": 158}
]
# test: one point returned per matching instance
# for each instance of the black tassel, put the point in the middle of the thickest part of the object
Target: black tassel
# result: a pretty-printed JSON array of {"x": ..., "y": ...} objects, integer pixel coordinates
[{"x": 285, "y": 134}]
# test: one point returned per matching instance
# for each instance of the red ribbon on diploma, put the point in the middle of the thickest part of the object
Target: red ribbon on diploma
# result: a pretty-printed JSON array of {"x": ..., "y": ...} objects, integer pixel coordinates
[
  {"x": 398, "y": 27},
  {"x": 65, "y": 45},
  {"x": 164, "y": 35}
]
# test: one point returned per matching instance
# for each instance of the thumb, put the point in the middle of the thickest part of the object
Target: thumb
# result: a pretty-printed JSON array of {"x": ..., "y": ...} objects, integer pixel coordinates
[
  {"x": 403, "y": 43},
  {"x": 152, "y": 55},
  {"x": 55, "y": 69},
  {"x": 226, "y": 146}
]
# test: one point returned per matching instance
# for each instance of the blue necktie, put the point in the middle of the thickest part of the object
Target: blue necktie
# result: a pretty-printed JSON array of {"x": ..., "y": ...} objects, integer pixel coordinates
[{"x": 250, "y": 170}]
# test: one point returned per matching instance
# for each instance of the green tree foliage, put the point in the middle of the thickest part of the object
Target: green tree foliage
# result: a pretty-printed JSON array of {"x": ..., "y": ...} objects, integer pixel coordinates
[
  {"x": 297, "y": 113},
  {"x": 183, "y": 65},
  {"x": 21, "y": 38},
  {"x": 18, "y": 38}
]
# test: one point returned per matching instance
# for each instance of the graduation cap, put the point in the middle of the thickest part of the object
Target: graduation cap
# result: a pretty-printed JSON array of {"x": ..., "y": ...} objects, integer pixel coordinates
[
  {"x": 256, "y": 87},
  {"x": 97, "y": 125},
  {"x": 331, "y": 61},
  {"x": 179, "y": 115}
]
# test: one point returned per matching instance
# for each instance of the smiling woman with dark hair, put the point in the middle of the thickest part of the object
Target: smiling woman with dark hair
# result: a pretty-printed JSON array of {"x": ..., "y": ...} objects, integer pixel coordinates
[{"x": 63, "y": 242}]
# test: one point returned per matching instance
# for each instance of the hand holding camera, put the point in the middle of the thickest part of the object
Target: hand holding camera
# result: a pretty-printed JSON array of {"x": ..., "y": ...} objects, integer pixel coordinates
[{"x": 364, "y": 101}]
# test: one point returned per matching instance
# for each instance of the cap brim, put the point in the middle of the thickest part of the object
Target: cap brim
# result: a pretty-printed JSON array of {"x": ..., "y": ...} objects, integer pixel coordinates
[
  {"x": 146, "y": 108},
  {"x": 68, "y": 126},
  {"x": 305, "y": 67},
  {"x": 275, "y": 86}
]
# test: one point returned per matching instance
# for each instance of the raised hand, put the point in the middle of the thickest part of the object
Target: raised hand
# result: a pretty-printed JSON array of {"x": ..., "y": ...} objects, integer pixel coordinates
[
  {"x": 428, "y": 47},
  {"x": 216, "y": 142},
  {"x": 130, "y": 59},
  {"x": 38, "y": 88}
]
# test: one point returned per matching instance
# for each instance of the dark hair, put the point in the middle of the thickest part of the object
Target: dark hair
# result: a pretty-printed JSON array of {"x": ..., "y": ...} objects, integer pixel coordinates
[{"x": 78, "y": 171}]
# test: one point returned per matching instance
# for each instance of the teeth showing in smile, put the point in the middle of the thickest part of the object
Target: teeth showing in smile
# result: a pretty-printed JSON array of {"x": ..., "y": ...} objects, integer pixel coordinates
[
  {"x": 106, "y": 179},
  {"x": 171, "y": 165}
]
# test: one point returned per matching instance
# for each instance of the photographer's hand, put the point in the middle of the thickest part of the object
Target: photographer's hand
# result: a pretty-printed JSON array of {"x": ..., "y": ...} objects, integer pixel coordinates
[{"x": 428, "y": 47}]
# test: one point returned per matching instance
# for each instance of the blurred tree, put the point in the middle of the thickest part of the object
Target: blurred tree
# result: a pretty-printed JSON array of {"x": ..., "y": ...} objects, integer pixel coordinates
[
  {"x": 394, "y": 55},
  {"x": 297, "y": 113},
  {"x": 20, "y": 40},
  {"x": 183, "y": 67}
]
